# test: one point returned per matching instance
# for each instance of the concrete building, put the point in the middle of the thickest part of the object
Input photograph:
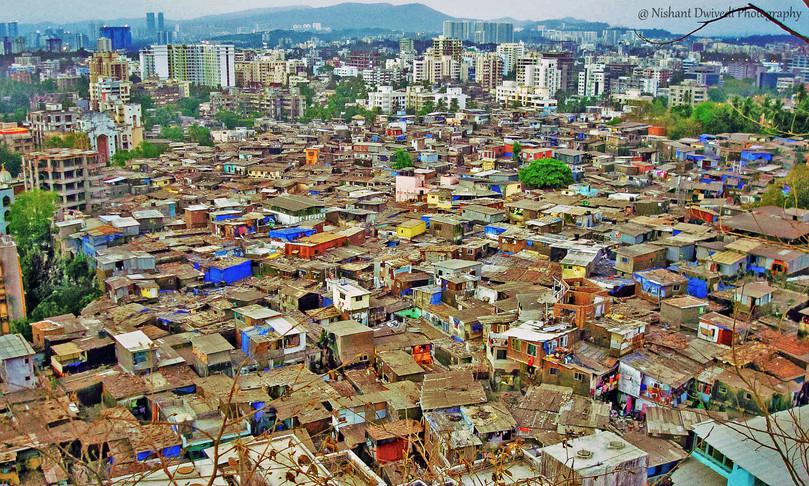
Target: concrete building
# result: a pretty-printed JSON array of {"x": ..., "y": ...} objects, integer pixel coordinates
[
  {"x": 689, "y": 92},
  {"x": 16, "y": 364},
  {"x": 511, "y": 93},
  {"x": 203, "y": 64},
  {"x": 107, "y": 93},
  {"x": 510, "y": 52},
  {"x": 544, "y": 74},
  {"x": 489, "y": 70},
  {"x": 479, "y": 32},
  {"x": 17, "y": 139},
  {"x": 53, "y": 120},
  {"x": 136, "y": 353},
  {"x": 71, "y": 173},
  {"x": 387, "y": 100}
]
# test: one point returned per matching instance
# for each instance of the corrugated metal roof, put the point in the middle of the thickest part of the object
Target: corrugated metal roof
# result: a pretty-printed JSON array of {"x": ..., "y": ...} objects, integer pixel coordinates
[
  {"x": 14, "y": 346},
  {"x": 750, "y": 447}
]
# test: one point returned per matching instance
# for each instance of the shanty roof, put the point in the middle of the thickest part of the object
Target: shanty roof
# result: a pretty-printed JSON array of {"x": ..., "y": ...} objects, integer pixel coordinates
[
  {"x": 14, "y": 346},
  {"x": 451, "y": 389},
  {"x": 758, "y": 452}
]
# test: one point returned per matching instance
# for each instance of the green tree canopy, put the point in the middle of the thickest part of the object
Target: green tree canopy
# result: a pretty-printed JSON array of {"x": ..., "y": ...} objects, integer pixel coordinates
[
  {"x": 546, "y": 173},
  {"x": 401, "y": 160},
  {"x": 31, "y": 215},
  {"x": 790, "y": 192},
  {"x": 516, "y": 152},
  {"x": 427, "y": 108},
  {"x": 74, "y": 140},
  {"x": 200, "y": 135},
  {"x": 145, "y": 150},
  {"x": 53, "y": 285},
  {"x": 172, "y": 133},
  {"x": 12, "y": 160}
]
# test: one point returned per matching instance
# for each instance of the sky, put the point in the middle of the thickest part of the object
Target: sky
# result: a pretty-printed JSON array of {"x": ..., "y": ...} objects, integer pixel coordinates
[{"x": 673, "y": 15}]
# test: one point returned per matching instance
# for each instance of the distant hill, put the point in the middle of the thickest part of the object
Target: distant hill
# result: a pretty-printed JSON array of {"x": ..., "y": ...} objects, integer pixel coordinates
[{"x": 411, "y": 17}]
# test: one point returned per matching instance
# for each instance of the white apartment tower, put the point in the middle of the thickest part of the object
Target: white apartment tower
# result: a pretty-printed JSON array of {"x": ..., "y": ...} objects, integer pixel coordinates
[{"x": 203, "y": 64}]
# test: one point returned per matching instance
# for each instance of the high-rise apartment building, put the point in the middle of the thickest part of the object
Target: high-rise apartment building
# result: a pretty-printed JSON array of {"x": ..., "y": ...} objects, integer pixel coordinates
[
  {"x": 109, "y": 65},
  {"x": 545, "y": 73},
  {"x": 447, "y": 46},
  {"x": 120, "y": 36},
  {"x": 510, "y": 52},
  {"x": 151, "y": 25},
  {"x": 489, "y": 70},
  {"x": 13, "y": 29},
  {"x": 203, "y": 64},
  {"x": 109, "y": 80},
  {"x": 407, "y": 49},
  {"x": 73, "y": 174},
  {"x": 479, "y": 32}
]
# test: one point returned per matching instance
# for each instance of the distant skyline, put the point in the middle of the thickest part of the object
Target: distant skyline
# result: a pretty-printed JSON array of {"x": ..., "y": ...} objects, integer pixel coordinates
[{"x": 681, "y": 15}]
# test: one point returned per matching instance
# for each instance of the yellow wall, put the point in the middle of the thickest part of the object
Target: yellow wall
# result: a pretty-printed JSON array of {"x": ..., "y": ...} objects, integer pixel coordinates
[
  {"x": 410, "y": 232},
  {"x": 574, "y": 271},
  {"x": 512, "y": 188},
  {"x": 433, "y": 201}
]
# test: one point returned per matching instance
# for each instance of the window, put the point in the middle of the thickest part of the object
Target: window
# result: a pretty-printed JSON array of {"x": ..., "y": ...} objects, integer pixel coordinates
[
  {"x": 358, "y": 298},
  {"x": 532, "y": 350},
  {"x": 676, "y": 288},
  {"x": 748, "y": 396},
  {"x": 553, "y": 371},
  {"x": 578, "y": 376},
  {"x": 722, "y": 389},
  {"x": 624, "y": 260},
  {"x": 515, "y": 344},
  {"x": 342, "y": 296},
  {"x": 501, "y": 354},
  {"x": 713, "y": 454},
  {"x": 563, "y": 341}
]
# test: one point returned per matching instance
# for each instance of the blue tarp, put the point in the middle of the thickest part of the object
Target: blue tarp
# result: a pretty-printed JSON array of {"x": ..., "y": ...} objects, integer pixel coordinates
[
  {"x": 290, "y": 234},
  {"x": 231, "y": 274},
  {"x": 493, "y": 230}
]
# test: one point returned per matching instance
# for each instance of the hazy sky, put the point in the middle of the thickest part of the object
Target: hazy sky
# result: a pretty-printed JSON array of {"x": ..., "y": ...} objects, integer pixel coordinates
[{"x": 620, "y": 12}]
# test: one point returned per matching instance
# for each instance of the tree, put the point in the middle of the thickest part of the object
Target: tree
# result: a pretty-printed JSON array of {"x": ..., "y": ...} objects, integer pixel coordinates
[
  {"x": 145, "y": 150},
  {"x": 172, "y": 133},
  {"x": 232, "y": 120},
  {"x": 401, "y": 160},
  {"x": 11, "y": 160},
  {"x": 427, "y": 108},
  {"x": 200, "y": 135},
  {"x": 516, "y": 152},
  {"x": 22, "y": 326},
  {"x": 454, "y": 107},
  {"x": 73, "y": 140},
  {"x": 30, "y": 226},
  {"x": 790, "y": 192},
  {"x": 31, "y": 215},
  {"x": 546, "y": 173}
]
